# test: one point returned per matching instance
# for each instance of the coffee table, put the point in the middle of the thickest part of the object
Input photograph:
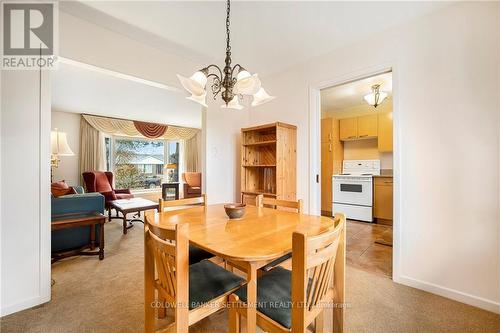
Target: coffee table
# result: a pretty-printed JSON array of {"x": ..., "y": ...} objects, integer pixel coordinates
[{"x": 132, "y": 205}]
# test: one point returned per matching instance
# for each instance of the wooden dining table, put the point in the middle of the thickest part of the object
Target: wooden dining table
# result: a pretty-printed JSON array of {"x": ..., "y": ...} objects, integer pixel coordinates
[{"x": 249, "y": 243}]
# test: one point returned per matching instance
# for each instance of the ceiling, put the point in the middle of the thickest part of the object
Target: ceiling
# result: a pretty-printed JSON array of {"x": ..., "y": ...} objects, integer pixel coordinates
[
  {"x": 266, "y": 37},
  {"x": 82, "y": 90},
  {"x": 351, "y": 94}
]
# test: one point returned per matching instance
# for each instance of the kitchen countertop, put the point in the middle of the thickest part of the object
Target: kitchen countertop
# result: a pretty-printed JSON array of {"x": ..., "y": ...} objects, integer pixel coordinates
[{"x": 384, "y": 173}]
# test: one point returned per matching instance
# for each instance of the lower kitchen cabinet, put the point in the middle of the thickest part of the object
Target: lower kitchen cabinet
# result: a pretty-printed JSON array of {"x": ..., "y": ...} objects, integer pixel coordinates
[{"x": 383, "y": 199}]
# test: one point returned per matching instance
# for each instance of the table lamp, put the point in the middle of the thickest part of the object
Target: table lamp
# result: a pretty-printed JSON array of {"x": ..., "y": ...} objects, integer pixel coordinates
[{"x": 59, "y": 147}]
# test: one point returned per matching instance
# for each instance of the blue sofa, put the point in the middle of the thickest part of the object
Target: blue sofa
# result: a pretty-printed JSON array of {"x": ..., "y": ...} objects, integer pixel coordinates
[{"x": 74, "y": 238}]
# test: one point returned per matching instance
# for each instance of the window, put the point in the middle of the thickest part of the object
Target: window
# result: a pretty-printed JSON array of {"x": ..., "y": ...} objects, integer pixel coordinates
[
  {"x": 172, "y": 161},
  {"x": 138, "y": 163},
  {"x": 142, "y": 163}
]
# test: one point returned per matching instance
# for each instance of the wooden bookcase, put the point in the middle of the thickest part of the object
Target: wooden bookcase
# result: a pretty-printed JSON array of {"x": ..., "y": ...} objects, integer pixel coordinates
[{"x": 269, "y": 162}]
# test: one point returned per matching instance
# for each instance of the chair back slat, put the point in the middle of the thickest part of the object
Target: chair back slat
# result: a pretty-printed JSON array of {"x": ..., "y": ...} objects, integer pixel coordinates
[
  {"x": 261, "y": 201},
  {"x": 165, "y": 204},
  {"x": 313, "y": 262}
]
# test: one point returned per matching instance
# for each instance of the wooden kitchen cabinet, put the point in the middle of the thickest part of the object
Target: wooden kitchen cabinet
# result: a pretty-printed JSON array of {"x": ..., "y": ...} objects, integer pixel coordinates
[
  {"x": 383, "y": 199},
  {"x": 348, "y": 128},
  {"x": 332, "y": 154},
  {"x": 367, "y": 126},
  {"x": 385, "y": 132}
]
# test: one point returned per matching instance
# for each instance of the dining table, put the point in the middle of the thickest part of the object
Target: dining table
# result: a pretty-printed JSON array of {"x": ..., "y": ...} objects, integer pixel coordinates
[{"x": 249, "y": 243}]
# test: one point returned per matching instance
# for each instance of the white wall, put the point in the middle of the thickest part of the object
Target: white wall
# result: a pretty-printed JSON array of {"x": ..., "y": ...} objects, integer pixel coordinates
[
  {"x": 223, "y": 152},
  {"x": 446, "y": 109},
  {"x": 25, "y": 190},
  {"x": 69, "y": 166}
]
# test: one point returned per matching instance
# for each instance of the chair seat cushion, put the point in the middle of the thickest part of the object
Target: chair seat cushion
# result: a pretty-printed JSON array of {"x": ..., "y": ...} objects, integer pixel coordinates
[
  {"x": 208, "y": 281},
  {"x": 124, "y": 195},
  {"x": 194, "y": 190},
  {"x": 274, "y": 295},
  {"x": 196, "y": 254}
]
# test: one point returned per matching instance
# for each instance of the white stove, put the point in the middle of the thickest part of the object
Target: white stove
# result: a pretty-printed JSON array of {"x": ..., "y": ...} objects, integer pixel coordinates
[{"x": 353, "y": 189}]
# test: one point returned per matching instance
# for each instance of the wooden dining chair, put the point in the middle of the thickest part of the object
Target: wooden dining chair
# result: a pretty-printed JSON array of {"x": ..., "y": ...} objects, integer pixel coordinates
[
  {"x": 261, "y": 201},
  {"x": 195, "y": 253},
  {"x": 290, "y": 301},
  {"x": 292, "y": 205},
  {"x": 193, "y": 291}
]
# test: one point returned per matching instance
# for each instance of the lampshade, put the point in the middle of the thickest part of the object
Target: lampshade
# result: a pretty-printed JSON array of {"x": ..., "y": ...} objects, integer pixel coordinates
[
  {"x": 261, "y": 97},
  {"x": 195, "y": 84},
  {"x": 59, "y": 144},
  {"x": 200, "y": 99},
  {"x": 246, "y": 84},
  {"x": 376, "y": 97},
  {"x": 233, "y": 104}
]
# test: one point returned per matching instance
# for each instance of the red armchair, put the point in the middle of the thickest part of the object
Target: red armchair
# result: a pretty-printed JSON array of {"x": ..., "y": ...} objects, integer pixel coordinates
[
  {"x": 103, "y": 182},
  {"x": 192, "y": 184}
]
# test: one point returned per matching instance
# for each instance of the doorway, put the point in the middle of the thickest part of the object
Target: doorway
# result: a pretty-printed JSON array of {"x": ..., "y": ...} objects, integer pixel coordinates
[{"x": 356, "y": 154}]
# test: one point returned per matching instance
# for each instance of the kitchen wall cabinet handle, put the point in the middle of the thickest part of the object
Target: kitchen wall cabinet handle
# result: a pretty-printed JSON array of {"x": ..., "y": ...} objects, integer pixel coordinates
[
  {"x": 330, "y": 147},
  {"x": 352, "y": 137}
]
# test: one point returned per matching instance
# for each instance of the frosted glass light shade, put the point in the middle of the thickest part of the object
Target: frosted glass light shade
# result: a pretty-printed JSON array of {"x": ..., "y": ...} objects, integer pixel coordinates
[
  {"x": 59, "y": 144},
  {"x": 261, "y": 97},
  {"x": 233, "y": 104},
  {"x": 246, "y": 84},
  {"x": 376, "y": 97},
  {"x": 200, "y": 99},
  {"x": 195, "y": 84}
]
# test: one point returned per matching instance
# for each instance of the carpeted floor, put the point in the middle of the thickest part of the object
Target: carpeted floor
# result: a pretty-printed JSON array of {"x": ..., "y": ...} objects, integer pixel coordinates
[{"x": 107, "y": 296}]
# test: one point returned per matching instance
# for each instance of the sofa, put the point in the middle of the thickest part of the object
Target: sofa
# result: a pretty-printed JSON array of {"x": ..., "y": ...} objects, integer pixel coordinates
[{"x": 74, "y": 238}]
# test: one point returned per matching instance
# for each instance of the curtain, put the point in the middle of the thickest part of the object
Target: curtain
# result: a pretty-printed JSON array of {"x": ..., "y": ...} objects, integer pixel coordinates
[
  {"x": 92, "y": 149},
  {"x": 150, "y": 130},
  {"x": 192, "y": 153},
  {"x": 122, "y": 127}
]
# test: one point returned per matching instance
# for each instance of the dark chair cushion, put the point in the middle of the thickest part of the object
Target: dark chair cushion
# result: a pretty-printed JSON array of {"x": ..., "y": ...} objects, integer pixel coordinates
[
  {"x": 274, "y": 295},
  {"x": 208, "y": 281},
  {"x": 196, "y": 254},
  {"x": 276, "y": 262}
]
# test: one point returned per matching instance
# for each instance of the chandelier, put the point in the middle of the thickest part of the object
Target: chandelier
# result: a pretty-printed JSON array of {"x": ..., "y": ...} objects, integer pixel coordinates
[
  {"x": 376, "y": 97},
  {"x": 230, "y": 82}
]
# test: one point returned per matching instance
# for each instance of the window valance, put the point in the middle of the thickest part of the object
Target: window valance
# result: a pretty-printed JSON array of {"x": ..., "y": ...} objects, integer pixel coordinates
[{"x": 122, "y": 127}]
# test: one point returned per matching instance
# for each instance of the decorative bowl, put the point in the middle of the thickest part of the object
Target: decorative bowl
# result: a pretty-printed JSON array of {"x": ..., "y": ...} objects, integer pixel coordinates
[{"x": 235, "y": 211}]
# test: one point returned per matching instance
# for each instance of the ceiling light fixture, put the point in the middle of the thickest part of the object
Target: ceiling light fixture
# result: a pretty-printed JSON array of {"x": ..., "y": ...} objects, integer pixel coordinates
[
  {"x": 230, "y": 86},
  {"x": 376, "y": 97}
]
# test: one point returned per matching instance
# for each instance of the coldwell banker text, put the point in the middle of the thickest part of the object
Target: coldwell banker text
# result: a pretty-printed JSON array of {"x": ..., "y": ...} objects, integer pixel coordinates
[{"x": 29, "y": 35}]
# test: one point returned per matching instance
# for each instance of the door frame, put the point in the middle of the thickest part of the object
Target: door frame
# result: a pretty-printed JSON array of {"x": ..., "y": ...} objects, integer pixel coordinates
[{"x": 315, "y": 148}]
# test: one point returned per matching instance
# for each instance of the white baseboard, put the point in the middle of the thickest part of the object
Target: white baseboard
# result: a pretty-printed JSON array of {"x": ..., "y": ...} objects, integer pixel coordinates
[
  {"x": 23, "y": 305},
  {"x": 453, "y": 294}
]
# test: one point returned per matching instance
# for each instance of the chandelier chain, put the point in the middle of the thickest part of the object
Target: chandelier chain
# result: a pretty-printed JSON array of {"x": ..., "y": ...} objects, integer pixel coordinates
[{"x": 228, "y": 10}]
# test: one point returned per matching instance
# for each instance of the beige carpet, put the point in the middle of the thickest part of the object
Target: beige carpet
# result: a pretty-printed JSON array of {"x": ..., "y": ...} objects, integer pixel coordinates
[{"x": 107, "y": 296}]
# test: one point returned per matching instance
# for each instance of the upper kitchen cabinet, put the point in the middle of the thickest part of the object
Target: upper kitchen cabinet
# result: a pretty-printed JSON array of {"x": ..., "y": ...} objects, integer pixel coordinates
[
  {"x": 364, "y": 127},
  {"x": 348, "y": 129},
  {"x": 385, "y": 132},
  {"x": 367, "y": 126},
  {"x": 326, "y": 130}
]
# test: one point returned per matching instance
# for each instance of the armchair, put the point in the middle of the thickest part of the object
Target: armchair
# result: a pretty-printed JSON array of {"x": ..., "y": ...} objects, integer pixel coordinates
[
  {"x": 192, "y": 184},
  {"x": 103, "y": 182}
]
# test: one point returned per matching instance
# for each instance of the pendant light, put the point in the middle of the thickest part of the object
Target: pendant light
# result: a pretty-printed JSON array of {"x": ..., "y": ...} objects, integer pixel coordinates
[{"x": 231, "y": 82}]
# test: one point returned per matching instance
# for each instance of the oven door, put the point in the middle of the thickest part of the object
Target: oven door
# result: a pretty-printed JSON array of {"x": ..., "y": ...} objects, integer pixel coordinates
[{"x": 353, "y": 190}]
